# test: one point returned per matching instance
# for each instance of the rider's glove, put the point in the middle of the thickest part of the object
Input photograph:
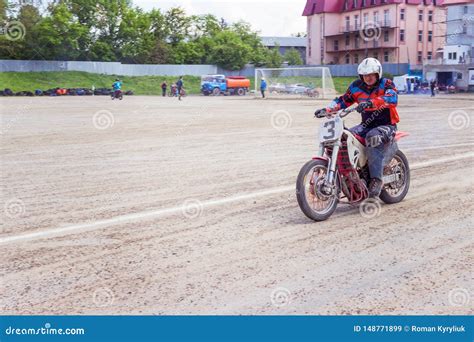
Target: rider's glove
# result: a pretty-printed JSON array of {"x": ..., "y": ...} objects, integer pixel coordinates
[
  {"x": 320, "y": 113},
  {"x": 363, "y": 106}
]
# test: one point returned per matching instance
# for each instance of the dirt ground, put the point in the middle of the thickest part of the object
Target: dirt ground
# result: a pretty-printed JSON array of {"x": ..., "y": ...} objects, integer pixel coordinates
[{"x": 154, "y": 206}]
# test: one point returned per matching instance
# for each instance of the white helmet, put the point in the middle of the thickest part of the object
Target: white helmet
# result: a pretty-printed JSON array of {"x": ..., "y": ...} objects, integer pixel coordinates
[{"x": 370, "y": 66}]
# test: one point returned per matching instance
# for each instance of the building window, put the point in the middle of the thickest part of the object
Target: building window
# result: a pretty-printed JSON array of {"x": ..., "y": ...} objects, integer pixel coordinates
[
  {"x": 372, "y": 2},
  {"x": 336, "y": 45},
  {"x": 402, "y": 14},
  {"x": 386, "y": 15},
  {"x": 348, "y": 60},
  {"x": 347, "y": 40},
  {"x": 385, "y": 36},
  {"x": 465, "y": 9},
  {"x": 346, "y": 4},
  {"x": 363, "y": 3},
  {"x": 366, "y": 18},
  {"x": 356, "y": 42},
  {"x": 354, "y": 4},
  {"x": 356, "y": 22},
  {"x": 430, "y": 55},
  {"x": 376, "y": 55},
  {"x": 385, "y": 56},
  {"x": 356, "y": 58},
  {"x": 430, "y": 36},
  {"x": 420, "y": 15},
  {"x": 420, "y": 56},
  {"x": 420, "y": 35},
  {"x": 402, "y": 35},
  {"x": 430, "y": 15},
  {"x": 348, "y": 23},
  {"x": 376, "y": 17}
]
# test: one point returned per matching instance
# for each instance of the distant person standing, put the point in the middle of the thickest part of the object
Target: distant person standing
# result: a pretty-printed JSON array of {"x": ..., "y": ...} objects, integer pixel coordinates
[
  {"x": 432, "y": 87},
  {"x": 263, "y": 87},
  {"x": 179, "y": 86},
  {"x": 164, "y": 86}
]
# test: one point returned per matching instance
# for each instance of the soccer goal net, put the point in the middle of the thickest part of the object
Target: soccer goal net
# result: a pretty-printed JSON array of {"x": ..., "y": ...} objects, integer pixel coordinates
[{"x": 315, "y": 82}]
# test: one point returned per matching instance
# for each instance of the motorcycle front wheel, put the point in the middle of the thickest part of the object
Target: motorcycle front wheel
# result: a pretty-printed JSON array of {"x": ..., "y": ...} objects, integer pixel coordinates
[{"x": 312, "y": 202}]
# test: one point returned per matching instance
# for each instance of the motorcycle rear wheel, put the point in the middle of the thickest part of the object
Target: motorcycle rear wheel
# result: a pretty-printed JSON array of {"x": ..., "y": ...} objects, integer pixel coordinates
[{"x": 395, "y": 192}]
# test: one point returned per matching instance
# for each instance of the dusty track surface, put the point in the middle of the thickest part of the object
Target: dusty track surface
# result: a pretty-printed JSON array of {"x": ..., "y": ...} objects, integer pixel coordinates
[{"x": 154, "y": 206}]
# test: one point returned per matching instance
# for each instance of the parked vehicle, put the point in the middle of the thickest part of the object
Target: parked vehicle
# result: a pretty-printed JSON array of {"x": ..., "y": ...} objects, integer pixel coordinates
[
  {"x": 277, "y": 87},
  {"x": 401, "y": 82},
  {"x": 297, "y": 89},
  {"x": 220, "y": 84}
]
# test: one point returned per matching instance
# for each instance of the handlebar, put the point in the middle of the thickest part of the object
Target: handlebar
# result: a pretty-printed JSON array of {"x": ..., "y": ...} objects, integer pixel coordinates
[{"x": 342, "y": 113}]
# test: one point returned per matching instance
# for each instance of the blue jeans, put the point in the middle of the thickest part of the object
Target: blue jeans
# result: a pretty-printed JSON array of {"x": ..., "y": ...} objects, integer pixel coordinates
[{"x": 377, "y": 142}]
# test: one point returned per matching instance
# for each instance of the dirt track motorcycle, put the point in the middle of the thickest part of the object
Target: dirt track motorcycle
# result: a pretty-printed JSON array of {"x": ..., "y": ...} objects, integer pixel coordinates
[
  {"x": 340, "y": 172},
  {"x": 116, "y": 94}
]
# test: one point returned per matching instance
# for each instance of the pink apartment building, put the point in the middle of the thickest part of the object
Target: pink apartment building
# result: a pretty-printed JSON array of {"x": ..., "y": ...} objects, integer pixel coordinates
[{"x": 394, "y": 31}]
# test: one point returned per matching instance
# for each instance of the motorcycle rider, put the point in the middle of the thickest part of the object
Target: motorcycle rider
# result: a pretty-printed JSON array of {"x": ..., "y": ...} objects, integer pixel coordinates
[
  {"x": 117, "y": 86},
  {"x": 377, "y": 100}
]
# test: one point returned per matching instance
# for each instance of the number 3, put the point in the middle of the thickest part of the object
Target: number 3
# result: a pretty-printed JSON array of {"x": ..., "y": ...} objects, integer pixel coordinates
[{"x": 330, "y": 128}]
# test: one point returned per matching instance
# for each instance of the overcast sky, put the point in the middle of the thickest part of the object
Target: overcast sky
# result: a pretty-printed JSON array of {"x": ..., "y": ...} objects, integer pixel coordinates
[{"x": 271, "y": 17}]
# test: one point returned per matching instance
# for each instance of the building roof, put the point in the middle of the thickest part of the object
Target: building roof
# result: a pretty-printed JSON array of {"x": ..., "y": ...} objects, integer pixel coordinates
[
  {"x": 284, "y": 41},
  {"x": 455, "y": 2},
  {"x": 338, "y": 6}
]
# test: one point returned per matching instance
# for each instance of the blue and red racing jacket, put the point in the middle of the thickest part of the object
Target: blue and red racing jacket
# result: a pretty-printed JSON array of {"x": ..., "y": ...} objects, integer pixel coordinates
[{"x": 384, "y": 99}]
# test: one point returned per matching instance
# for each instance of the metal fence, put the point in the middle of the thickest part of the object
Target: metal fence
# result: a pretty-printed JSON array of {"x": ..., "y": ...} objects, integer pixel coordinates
[
  {"x": 116, "y": 68},
  {"x": 108, "y": 68}
]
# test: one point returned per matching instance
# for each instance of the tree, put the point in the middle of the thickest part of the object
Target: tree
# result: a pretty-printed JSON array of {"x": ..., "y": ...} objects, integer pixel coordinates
[
  {"x": 58, "y": 34},
  {"x": 230, "y": 52},
  {"x": 204, "y": 26},
  {"x": 136, "y": 37},
  {"x": 160, "y": 53},
  {"x": 251, "y": 38},
  {"x": 105, "y": 30},
  {"x": 293, "y": 57},
  {"x": 177, "y": 24},
  {"x": 3, "y": 10},
  {"x": 300, "y": 34},
  {"x": 274, "y": 59},
  {"x": 223, "y": 24}
]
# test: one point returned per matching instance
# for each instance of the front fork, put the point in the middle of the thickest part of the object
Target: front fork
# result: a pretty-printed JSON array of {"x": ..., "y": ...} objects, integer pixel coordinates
[{"x": 329, "y": 187}]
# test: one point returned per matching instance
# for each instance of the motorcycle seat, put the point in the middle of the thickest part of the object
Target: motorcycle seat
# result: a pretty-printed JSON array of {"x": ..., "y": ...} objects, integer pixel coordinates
[{"x": 361, "y": 140}]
